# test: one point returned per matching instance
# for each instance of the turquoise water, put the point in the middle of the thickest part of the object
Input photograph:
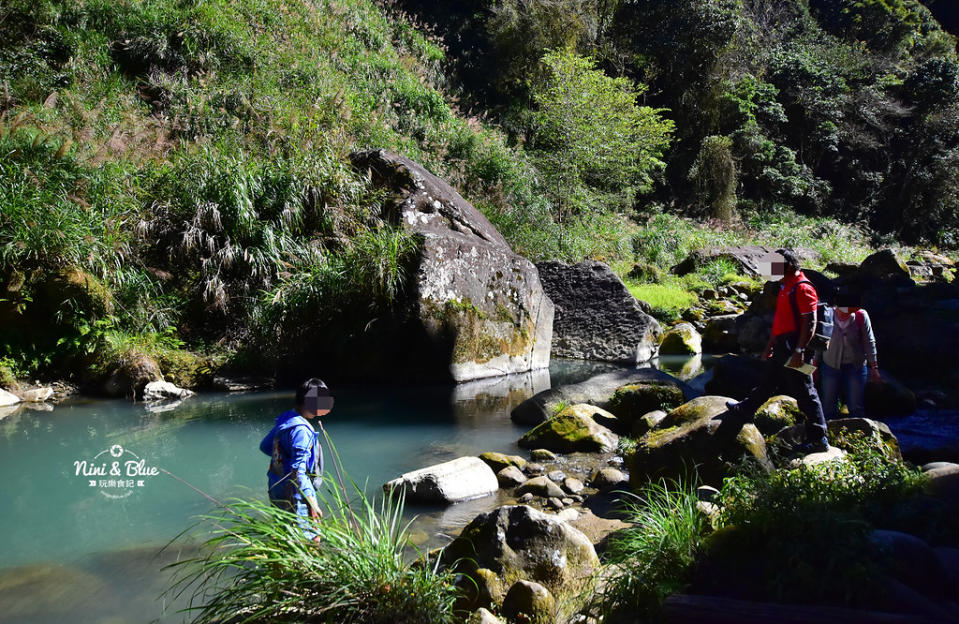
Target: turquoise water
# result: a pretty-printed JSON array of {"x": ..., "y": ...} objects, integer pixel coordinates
[{"x": 88, "y": 553}]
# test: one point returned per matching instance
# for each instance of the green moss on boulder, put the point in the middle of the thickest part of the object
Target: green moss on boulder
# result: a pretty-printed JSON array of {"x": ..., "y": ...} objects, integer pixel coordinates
[
  {"x": 777, "y": 413},
  {"x": 633, "y": 401},
  {"x": 575, "y": 429}
]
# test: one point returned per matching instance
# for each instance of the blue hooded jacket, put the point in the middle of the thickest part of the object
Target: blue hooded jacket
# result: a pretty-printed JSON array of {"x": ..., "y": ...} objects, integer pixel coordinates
[{"x": 302, "y": 456}]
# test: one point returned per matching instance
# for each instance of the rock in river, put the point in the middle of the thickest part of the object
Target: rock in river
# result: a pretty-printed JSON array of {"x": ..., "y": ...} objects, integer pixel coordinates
[
  {"x": 461, "y": 479},
  {"x": 576, "y": 429}
]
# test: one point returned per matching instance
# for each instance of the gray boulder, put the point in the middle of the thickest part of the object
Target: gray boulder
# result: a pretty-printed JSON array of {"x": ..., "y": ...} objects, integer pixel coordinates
[
  {"x": 540, "y": 486},
  {"x": 596, "y": 316},
  {"x": 37, "y": 395},
  {"x": 877, "y": 434},
  {"x": 608, "y": 479},
  {"x": 458, "y": 480},
  {"x": 515, "y": 543},
  {"x": 913, "y": 562},
  {"x": 8, "y": 398},
  {"x": 598, "y": 391},
  {"x": 510, "y": 476},
  {"x": 479, "y": 307}
]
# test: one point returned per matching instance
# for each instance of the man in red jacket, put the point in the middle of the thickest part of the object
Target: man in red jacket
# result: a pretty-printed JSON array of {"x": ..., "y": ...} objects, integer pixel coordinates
[{"x": 794, "y": 324}]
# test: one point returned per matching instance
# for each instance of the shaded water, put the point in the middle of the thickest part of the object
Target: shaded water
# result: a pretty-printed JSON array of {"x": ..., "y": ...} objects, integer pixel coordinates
[{"x": 81, "y": 547}]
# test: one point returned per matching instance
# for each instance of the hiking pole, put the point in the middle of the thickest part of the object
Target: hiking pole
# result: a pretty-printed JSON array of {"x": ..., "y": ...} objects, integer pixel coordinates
[{"x": 339, "y": 477}]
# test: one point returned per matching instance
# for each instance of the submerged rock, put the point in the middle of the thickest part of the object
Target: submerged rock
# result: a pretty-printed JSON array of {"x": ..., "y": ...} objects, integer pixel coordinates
[
  {"x": 596, "y": 316},
  {"x": 461, "y": 479},
  {"x": 471, "y": 307}
]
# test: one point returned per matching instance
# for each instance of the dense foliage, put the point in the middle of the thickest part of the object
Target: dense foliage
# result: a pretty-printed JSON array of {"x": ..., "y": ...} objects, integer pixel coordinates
[{"x": 845, "y": 108}]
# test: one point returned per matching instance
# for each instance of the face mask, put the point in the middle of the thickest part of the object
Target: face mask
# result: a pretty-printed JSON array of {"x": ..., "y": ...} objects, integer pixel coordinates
[{"x": 844, "y": 310}]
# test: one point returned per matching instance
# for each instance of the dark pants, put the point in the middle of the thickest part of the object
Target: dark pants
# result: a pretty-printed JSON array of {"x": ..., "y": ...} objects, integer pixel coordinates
[{"x": 777, "y": 379}]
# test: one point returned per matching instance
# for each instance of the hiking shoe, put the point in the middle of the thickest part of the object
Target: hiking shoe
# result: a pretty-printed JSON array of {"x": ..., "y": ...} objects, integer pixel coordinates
[{"x": 809, "y": 447}]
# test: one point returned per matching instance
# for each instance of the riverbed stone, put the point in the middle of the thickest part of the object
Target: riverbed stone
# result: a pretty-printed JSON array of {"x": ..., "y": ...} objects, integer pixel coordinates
[
  {"x": 163, "y": 390},
  {"x": 596, "y": 317},
  {"x": 540, "y": 486},
  {"x": 777, "y": 413},
  {"x": 483, "y": 616},
  {"x": 8, "y": 398},
  {"x": 949, "y": 560},
  {"x": 692, "y": 435},
  {"x": 529, "y": 602},
  {"x": 597, "y": 390},
  {"x": 556, "y": 476},
  {"x": 884, "y": 265},
  {"x": 681, "y": 339},
  {"x": 608, "y": 478},
  {"x": 517, "y": 542},
  {"x": 458, "y": 480},
  {"x": 473, "y": 308},
  {"x": 720, "y": 334},
  {"x": 631, "y": 402},
  {"x": 541, "y": 455},
  {"x": 573, "y": 485},
  {"x": 510, "y": 476},
  {"x": 498, "y": 461},
  {"x": 575, "y": 429}
]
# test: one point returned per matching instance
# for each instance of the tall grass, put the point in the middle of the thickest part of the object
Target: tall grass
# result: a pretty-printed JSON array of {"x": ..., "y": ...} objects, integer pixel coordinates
[
  {"x": 256, "y": 566},
  {"x": 655, "y": 556}
]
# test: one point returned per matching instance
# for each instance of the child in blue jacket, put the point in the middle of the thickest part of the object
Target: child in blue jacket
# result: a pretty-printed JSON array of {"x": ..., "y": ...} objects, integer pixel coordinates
[{"x": 296, "y": 464}]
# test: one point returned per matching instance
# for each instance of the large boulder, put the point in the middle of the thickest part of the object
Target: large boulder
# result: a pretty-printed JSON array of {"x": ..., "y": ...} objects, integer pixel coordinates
[
  {"x": 693, "y": 436},
  {"x": 516, "y": 542},
  {"x": 458, "y": 480},
  {"x": 577, "y": 428},
  {"x": 681, "y": 339},
  {"x": 884, "y": 265},
  {"x": 598, "y": 391},
  {"x": 913, "y": 562},
  {"x": 471, "y": 307},
  {"x": 596, "y": 316}
]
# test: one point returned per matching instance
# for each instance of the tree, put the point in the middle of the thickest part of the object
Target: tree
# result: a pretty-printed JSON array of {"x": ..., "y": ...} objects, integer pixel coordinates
[{"x": 592, "y": 141}]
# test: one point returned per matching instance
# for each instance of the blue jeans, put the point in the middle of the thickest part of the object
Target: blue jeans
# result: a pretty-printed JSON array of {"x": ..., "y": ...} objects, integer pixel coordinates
[
  {"x": 302, "y": 511},
  {"x": 851, "y": 379}
]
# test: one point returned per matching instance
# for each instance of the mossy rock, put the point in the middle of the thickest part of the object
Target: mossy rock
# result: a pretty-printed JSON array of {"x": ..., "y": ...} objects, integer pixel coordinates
[
  {"x": 633, "y": 401},
  {"x": 776, "y": 414},
  {"x": 530, "y": 603},
  {"x": 498, "y": 461},
  {"x": 876, "y": 435},
  {"x": 647, "y": 423},
  {"x": 645, "y": 273},
  {"x": 681, "y": 339},
  {"x": 692, "y": 437},
  {"x": 577, "y": 428}
]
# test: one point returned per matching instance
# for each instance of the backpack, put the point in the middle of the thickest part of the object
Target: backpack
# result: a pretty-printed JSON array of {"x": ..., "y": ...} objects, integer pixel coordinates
[
  {"x": 278, "y": 459},
  {"x": 822, "y": 332}
]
